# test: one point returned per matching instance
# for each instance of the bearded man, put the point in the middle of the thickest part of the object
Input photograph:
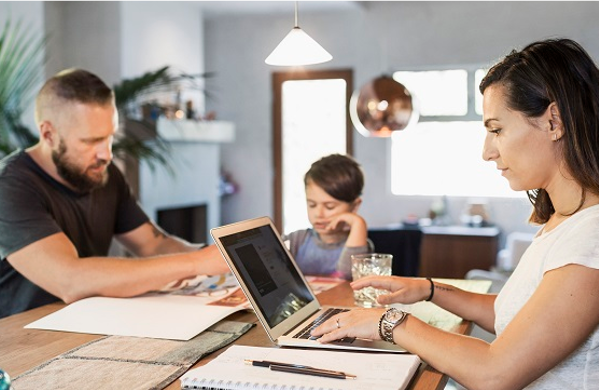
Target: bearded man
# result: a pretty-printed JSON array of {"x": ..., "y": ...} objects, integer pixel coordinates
[{"x": 63, "y": 200}]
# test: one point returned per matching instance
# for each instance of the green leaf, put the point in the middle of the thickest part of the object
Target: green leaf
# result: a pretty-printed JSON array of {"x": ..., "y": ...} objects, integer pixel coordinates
[{"x": 21, "y": 66}]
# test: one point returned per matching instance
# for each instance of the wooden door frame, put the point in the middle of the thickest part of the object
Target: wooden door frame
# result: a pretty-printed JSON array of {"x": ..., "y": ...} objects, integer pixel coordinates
[{"x": 277, "y": 80}]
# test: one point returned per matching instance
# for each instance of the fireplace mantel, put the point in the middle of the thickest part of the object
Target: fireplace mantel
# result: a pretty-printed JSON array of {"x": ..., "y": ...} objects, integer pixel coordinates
[
  {"x": 195, "y": 131},
  {"x": 194, "y": 178}
]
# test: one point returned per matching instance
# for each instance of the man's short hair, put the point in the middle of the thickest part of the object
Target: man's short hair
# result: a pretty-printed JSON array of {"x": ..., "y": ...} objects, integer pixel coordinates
[{"x": 73, "y": 86}]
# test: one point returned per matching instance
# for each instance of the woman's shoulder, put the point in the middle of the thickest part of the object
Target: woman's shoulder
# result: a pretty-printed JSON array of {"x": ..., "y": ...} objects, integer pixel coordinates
[{"x": 575, "y": 242}]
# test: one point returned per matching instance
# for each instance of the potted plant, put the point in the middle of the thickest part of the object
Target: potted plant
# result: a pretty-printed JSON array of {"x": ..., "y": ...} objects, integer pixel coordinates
[{"x": 21, "y": 64}]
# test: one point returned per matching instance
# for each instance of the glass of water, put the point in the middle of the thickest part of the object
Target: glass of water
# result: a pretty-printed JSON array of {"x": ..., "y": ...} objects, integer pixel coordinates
[{"x": 370, "y": 264}]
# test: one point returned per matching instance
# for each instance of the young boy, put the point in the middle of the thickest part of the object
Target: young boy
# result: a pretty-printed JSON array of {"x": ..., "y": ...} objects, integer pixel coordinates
[{"x": 333, "y": 188}]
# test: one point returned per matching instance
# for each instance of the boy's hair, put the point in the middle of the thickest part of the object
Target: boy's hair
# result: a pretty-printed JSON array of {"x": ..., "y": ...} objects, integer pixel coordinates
[{"x": 338, "y": 175}]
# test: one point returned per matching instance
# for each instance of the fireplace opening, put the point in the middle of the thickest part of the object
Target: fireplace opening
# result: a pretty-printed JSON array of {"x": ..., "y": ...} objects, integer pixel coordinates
[{"x": 188, "y": 223}]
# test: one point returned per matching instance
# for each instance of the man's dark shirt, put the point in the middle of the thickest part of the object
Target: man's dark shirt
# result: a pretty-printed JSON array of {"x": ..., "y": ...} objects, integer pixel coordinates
[{"x": 34, "y": 206}]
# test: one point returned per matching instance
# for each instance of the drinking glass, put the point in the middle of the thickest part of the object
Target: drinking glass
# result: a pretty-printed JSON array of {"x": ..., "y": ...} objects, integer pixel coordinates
[{"x": 370, "y": 264}]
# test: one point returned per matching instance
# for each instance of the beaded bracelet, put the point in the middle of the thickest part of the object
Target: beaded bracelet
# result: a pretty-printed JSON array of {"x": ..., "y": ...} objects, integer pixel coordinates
[{"x": 432, "y": 289}]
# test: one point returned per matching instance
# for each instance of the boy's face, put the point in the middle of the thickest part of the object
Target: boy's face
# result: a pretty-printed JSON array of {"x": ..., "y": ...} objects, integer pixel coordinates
[{"x": 322, "y": 207}]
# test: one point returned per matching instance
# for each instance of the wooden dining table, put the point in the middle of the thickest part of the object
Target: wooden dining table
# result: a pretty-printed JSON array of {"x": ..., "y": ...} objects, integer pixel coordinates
[{"x": 22, "y": 349}]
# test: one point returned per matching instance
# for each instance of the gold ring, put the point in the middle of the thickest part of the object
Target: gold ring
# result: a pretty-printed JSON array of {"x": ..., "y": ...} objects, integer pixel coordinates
[{"x": 337, "y": 321}]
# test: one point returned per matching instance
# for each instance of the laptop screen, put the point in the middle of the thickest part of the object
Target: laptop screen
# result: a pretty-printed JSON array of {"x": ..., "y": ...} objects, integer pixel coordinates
[{"x": 268, "y": 272}]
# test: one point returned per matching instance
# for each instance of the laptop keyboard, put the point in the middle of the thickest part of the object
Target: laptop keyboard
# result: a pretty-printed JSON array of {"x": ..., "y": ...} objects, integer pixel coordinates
[{"x": 327, "y": 314}]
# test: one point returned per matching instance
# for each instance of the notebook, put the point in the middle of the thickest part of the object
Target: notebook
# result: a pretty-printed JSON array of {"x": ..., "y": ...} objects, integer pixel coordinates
[
  {"x": 381, "y": 371},
  {"x": 276, "y": 288}
]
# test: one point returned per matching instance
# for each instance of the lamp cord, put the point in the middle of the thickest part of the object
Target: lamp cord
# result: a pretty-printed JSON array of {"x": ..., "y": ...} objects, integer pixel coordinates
[{"x": 295, "y": 14}]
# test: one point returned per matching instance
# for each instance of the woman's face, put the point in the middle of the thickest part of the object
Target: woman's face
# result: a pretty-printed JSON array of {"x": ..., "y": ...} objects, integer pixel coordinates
[
  {"x": 322, "y": 207},
  {"x": 523, "y": 149}
]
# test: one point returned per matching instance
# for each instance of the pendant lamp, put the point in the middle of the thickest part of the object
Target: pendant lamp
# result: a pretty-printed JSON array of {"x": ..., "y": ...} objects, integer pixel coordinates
[
  {"x": 297, "y": 48},
  {"x": 381, "y": 107}
]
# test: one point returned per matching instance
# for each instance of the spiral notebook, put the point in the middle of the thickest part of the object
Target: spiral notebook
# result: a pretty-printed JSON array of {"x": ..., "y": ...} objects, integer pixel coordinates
[{"x": 381, "y": 371}]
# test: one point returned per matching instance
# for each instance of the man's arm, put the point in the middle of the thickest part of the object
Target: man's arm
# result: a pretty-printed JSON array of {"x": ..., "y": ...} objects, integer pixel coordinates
[
  {"x": 53, "y": 264},
  {"x": 150, "y": 240}
]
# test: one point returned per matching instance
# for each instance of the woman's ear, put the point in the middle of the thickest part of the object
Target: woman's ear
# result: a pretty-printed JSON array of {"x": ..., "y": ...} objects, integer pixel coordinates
[{"x": 556, "y": 126}]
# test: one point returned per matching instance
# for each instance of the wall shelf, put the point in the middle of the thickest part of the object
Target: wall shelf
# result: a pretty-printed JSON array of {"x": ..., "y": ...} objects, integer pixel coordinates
[{"x": 198, "y": 131}]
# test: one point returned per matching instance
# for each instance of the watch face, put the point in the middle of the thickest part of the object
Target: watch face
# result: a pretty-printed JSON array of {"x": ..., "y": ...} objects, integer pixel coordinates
[{"x": 393, "y": 315}]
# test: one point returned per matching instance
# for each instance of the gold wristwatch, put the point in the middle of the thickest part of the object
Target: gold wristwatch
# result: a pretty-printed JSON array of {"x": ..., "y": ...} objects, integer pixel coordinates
[{"x": 389, "y": 320}]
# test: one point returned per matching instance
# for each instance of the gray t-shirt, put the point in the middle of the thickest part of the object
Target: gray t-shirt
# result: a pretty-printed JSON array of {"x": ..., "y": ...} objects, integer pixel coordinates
[
  {"x": 315, "y": 257},
  {"x": 33, "y": 206},
  {"x": 575, "y": 241}
]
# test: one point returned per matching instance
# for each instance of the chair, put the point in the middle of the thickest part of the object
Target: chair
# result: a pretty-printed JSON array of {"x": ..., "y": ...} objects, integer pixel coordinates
[
  {"x": 516, "y": 244},
  {"x": 403, "y": 243},
  {"x": 506, "y": 261}
]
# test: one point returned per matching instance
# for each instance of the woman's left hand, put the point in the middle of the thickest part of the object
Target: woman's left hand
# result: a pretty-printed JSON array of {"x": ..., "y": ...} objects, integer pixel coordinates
[{"x": 361, "y": 323}]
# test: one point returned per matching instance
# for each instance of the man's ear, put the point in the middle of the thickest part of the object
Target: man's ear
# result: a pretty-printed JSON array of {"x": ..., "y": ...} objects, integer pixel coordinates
[
  {"x": 47, "y": 133},
  {"x": 556, "y": 125}
]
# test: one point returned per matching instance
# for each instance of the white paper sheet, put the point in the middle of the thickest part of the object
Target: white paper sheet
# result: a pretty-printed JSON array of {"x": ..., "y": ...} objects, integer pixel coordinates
[
  {"x": 435, "y": 315},
  {"x": 157, "y": 316}
]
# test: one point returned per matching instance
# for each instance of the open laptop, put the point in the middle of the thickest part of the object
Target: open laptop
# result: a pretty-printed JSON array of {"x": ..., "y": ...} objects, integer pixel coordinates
[{"x": 276, "y": 288}]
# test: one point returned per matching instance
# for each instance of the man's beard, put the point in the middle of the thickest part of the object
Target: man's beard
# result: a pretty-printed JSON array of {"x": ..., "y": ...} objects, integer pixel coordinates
[{"x": 73, "y": 175}]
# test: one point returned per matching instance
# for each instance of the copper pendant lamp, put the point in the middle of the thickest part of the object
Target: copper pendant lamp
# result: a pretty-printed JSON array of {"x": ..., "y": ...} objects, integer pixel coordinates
[{"x": 381, "y": 107}]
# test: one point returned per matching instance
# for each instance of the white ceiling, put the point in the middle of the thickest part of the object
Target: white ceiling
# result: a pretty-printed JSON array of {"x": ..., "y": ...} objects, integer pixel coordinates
[{"x": 225, "y": 7}]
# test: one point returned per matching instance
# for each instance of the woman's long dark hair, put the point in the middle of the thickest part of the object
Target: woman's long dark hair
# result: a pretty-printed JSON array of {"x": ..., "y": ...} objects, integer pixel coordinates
[{"x": 561, "y": 71}]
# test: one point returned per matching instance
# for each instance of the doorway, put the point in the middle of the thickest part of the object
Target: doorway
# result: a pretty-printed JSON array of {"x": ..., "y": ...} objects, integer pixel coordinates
[{"x": 310, "y": 120}]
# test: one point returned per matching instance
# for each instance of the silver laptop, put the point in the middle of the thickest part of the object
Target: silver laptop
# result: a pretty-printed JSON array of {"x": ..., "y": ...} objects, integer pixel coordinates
[{"x": 276, "y": 288}]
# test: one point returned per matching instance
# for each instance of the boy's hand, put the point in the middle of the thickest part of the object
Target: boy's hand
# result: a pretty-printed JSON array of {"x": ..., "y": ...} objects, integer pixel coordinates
[
  {"x": 345, "y": 222},
  {"x": 350, "y": 222}
]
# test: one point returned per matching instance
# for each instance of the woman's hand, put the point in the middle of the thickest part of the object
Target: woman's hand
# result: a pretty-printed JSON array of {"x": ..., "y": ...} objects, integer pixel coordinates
[
  {"x": 361, "y": 323},
  {"x": 402, "y": 290}
]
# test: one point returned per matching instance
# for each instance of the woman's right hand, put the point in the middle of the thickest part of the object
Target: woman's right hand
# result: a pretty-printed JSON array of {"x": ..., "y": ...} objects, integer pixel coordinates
[{"x": 402, "y": 290}]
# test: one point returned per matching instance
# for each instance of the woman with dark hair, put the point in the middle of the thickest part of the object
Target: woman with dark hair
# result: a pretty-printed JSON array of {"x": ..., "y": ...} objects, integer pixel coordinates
[{"x": 541, "y": 117}]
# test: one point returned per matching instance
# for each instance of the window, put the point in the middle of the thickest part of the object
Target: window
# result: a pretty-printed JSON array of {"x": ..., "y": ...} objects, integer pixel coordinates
[
  {"x": 437, "y": 92},
  {"x": 441, "y": 155}
]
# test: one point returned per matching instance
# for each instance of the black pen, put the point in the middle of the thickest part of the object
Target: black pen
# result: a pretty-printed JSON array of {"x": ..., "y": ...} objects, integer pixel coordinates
[
  {"x": 299, "y": 369},
  {"x": 267, "y": 363},
  {"x": 312, "y": 371}
]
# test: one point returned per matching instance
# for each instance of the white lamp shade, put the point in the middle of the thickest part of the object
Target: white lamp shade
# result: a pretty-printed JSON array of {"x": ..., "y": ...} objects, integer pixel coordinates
[{"x": 297, "y": 49}]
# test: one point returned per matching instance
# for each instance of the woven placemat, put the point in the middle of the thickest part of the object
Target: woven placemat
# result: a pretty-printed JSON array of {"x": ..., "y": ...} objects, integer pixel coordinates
[{"x": 118, "y": 362}]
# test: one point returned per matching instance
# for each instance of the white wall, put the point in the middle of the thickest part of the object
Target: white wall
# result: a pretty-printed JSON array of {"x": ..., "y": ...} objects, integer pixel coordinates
[
  {"x": 32, "y": 12},
  {"x": 380, "y": 37},
  {"x": 118, "y": 40},
  {"x": 84, "y": 35},
  {"x": 156, "y": 34}
]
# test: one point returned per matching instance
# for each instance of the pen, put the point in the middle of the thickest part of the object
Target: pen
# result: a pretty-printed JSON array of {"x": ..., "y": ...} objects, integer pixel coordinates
[
  {"x": 299, "y": 369},
  {"x": 267, "y": 363},
  {"x": 312, "y": 371}
]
